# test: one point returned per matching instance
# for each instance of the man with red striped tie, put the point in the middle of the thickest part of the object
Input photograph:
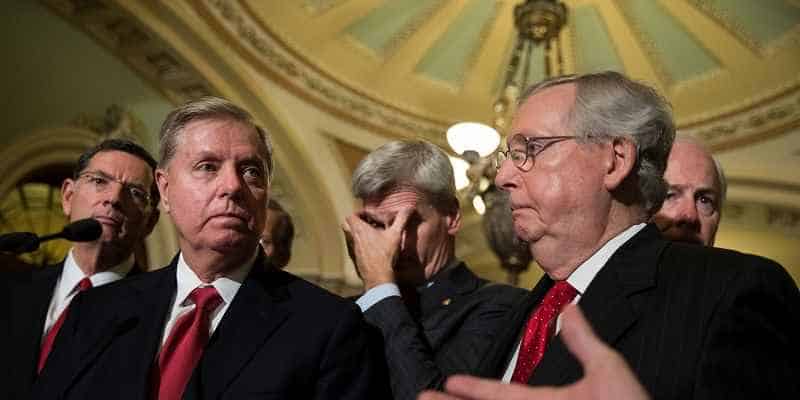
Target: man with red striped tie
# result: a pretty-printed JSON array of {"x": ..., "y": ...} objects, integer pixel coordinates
[
  {"x": 114, "y": 183},
  {"x": 584, "y": 170}
]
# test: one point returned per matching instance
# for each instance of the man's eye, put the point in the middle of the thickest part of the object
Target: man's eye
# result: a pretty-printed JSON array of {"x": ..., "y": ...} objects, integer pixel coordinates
[
  {"x": 252, "y": 172},
  {"x": 706, "y": 205},
  {"x": 137, "y": 193},
  {"x": 206, "y": 167}
]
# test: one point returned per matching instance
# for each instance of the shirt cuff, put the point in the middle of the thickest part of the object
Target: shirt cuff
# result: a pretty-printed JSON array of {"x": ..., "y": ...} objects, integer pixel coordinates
[{"x": 377, "y": 294}]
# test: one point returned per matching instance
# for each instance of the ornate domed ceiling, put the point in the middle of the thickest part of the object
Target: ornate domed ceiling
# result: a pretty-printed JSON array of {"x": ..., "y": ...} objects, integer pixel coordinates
[
  {"x": 412, "y": 67},
  {"x": 333, "y": 79}
]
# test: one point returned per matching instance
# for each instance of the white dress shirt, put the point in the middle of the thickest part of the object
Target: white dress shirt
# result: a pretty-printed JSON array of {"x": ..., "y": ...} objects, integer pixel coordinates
[
  {"x": 580, "y": 280},
  {"x": 227, "y": 286},
  {"x": 67, "y": 285}
]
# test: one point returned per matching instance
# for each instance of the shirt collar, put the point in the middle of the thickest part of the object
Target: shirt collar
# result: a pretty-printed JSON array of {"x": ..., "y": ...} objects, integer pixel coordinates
[
  {"x": 72, "y": 274},
  {"x": 585, "y": 273},
  {"x": 226, "y": 285}
]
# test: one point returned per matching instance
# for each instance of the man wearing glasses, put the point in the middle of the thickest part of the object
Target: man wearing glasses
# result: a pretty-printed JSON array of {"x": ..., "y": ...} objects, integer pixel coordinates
[
  {"x": 584, "y": 166},
  {"x": 113, "y": 183}
]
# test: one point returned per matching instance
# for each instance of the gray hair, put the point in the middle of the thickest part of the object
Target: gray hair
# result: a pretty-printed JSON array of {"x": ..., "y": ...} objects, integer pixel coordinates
[
  {"x": 609, "y": 105},
  {"x": 723, "y": 182},
  {"x": 204, "y": 109},
  {"x": 418, "y": 164}
]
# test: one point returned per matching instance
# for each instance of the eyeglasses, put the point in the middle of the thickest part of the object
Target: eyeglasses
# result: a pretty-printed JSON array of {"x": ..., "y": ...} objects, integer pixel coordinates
[
  {"x": 101, "y": 183},
  {"x": 522, "y": 150}
]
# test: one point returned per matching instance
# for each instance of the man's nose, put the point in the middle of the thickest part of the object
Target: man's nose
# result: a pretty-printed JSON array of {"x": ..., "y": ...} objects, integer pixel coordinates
[
  {"x": 113, "y": 193},
  {"x": 687, "y": 212},
  {"x": 505, "y": 173},
  {"x": 230, "y": 182}
]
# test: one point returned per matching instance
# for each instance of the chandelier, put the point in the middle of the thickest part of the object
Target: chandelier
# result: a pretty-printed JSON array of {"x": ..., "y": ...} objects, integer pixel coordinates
[{"x": 538, "y": 24}]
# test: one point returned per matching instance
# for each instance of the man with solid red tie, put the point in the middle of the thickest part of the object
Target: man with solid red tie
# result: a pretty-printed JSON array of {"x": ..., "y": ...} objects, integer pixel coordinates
[
  {"x": 114, "y": 183},
  {"x": 215, "y": 323}
]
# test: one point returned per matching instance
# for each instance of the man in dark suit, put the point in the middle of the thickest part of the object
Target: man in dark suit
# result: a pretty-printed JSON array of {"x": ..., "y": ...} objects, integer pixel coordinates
[
  {"x": 584, "y": 166},
  {"x": 434, "y": 314},
  {"x": 696, "y": 189},
  {"x": 278, "y": 235},
  {"x": 215, "y": 323},
  {"x": 114, "y": 183}
]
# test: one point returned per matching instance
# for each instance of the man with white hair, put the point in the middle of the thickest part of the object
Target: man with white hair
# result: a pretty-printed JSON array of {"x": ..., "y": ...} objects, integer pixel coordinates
[
  {"x": 583, "y": 168},
  {"x": 696, "y": 190}
]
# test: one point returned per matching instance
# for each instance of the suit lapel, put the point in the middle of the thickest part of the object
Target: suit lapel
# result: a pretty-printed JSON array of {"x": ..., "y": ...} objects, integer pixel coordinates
[
  {"x": 610, "y": 303},
  {"x": 255, "y": 314},
  {"x": 453, "y": 282},
  {"x": 496, "y": 359},
  {"x": 145, "y": 312}
]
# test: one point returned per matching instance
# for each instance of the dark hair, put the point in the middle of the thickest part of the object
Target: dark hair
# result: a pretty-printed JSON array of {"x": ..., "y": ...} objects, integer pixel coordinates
[
  {"x": 282, "y": 234},
  {"x": 125, "y": 146}
]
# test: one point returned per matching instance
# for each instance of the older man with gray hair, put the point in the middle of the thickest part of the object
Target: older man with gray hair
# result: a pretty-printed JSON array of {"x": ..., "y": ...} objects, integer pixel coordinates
[
  {"x": 435, "y": 316},
  {"x": 583, "y": 168},
  {"x": 696, "y": 192},
  {"x": 214, "y": 323}
]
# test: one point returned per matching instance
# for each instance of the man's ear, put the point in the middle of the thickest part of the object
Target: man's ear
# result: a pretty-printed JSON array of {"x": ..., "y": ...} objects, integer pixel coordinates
[
  {"x": 67, "y": 191},
  {"x": 163, "y": 189},
  {"x": 621, "y": 163}
]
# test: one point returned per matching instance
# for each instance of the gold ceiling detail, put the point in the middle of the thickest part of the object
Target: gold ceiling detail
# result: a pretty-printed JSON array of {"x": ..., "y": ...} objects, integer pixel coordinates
[
  {"x": 125, "y": 37},
  {"x": 310, "y": 52}
]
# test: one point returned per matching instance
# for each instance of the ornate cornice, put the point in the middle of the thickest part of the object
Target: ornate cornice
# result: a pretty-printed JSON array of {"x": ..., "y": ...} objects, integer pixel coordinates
[
  {"x": 773, "y": 117},
  {"x": 130, "y": 41},
  {"x": 296, "y": 74},
  {"x": 761, "y": 216}
]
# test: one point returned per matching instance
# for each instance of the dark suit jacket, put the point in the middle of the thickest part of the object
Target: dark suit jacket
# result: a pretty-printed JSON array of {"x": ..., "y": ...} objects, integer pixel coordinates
[
  {"x": 29, "y": 294},
  {"x": 459, "y": 317},
  {"x": 692, "y": 322},
  {"x": 281, "y": 338}
]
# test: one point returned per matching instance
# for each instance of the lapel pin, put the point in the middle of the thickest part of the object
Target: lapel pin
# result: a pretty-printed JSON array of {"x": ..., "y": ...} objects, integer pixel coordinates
[{"x": 446, "y": 301}]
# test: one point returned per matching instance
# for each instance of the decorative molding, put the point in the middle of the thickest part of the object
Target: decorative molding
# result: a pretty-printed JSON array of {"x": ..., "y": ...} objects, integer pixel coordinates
[
  {"x": 762, "y": 216},
  {"x": 771, "y": 119},
  {"x": 129, "y": 40},
  {"x": 300, "y": 77}
]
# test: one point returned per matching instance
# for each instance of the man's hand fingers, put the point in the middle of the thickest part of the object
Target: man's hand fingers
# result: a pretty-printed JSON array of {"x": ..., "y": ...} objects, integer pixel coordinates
[
  {"x": 401, "y": 219},
  {"x": 434, "y": 395},
  {"x": 472, "y": 388}
]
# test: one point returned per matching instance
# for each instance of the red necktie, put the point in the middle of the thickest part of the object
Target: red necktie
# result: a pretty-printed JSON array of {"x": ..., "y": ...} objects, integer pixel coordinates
[
  {"x": 539, "y": 329},
  {"x": 185, "y": 344},
  {"x": 47, "y": 343}
]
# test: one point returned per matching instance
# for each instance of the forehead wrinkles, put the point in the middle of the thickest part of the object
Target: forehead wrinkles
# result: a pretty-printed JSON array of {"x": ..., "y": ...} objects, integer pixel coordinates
[{"x": 395, "y": 199}]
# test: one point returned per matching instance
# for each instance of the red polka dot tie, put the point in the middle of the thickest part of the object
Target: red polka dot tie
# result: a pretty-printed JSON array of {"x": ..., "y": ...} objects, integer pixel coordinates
[
  {"x": 50, "y": 338},
  {"x": 539, "y": 329},
  {"x": 185, "y": 344}
]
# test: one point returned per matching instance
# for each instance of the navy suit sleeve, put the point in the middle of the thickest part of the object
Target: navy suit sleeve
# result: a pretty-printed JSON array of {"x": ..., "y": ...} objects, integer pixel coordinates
[
  {"x": 415, "y": 364},
  {"x": 751, "y": 348}
]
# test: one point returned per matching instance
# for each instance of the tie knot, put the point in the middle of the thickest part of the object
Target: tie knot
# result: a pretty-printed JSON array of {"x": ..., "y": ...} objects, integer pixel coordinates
[
  {"x": 205, "y": 298},
  {"x": 84, "y": 284},
  {"x": 560, "y": 294}
]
